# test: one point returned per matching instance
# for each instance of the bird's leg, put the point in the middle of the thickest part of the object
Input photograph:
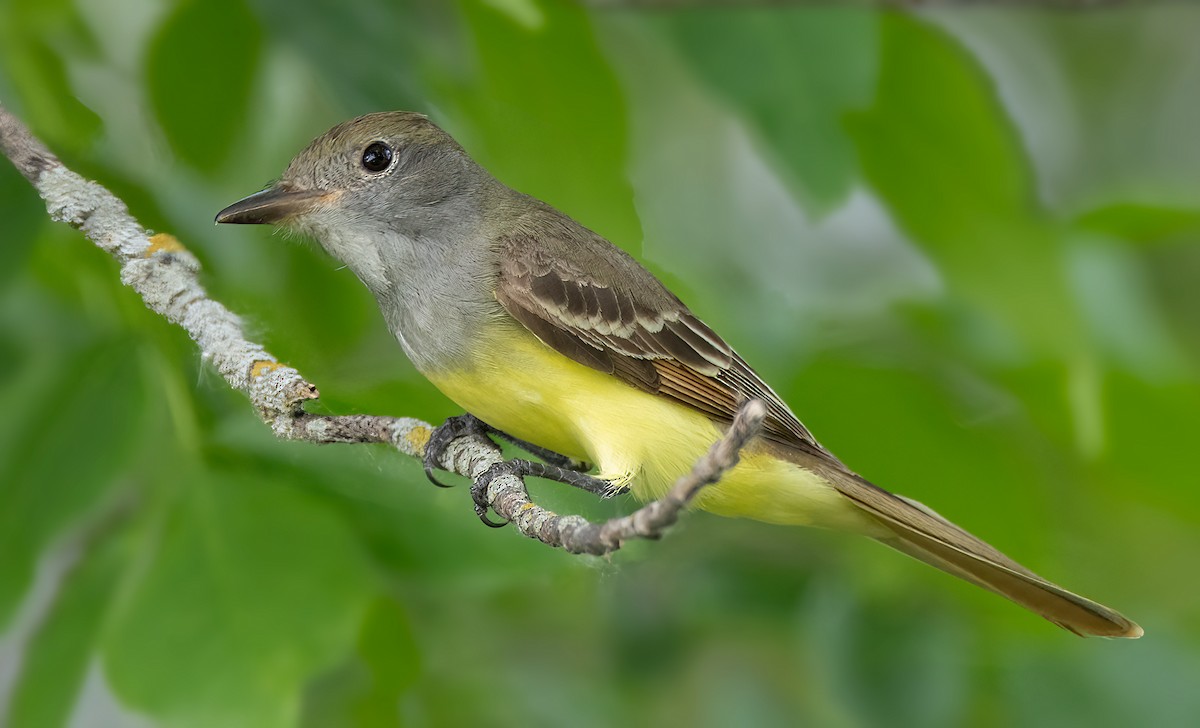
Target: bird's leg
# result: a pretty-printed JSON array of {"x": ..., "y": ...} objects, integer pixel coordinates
[
  {"x": 469, "y": 424},
  {"x": 549, "y": 456},
  {"x": 557, "y": 467},
  {"x": 521, "y": 468}
]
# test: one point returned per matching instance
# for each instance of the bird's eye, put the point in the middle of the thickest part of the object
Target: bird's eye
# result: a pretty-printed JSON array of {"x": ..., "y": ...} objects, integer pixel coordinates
[{"x": 377, "y": 157}]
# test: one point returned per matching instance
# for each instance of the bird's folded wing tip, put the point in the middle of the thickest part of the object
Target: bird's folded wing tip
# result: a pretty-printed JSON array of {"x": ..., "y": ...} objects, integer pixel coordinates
[{"x": 1134, "y": 632}]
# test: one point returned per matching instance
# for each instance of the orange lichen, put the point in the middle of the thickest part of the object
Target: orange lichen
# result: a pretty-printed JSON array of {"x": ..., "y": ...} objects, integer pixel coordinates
[
  {"x": 164, "y": 242},
  {"x": 263, "y": 367},
  {"x": 418, "y": 437}
]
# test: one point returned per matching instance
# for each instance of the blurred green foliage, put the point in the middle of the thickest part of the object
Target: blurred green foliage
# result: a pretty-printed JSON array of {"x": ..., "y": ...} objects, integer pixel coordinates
[{"x": 962, "y": 243}]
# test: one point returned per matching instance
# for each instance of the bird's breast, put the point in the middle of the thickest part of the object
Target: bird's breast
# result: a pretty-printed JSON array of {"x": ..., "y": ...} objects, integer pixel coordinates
[{"x": 523, "y": 387}]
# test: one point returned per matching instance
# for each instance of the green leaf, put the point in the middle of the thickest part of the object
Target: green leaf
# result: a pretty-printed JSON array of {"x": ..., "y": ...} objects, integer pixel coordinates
[
  {"x": 374, "y": 55},
  {"x": 37, "y": 40},
  {"x": 544, "y": 113},
  {"x": 1148, "y": 456},
  {"x": 947, "y": 170},
  {"x": 941, "y": 152},
  {"x": 23, "y": 215},
  {"x": 793, "y": 73},
  {"x": 367, "y": 691},
  {"x": 1142, "y": 223},
  {"x": 252, "y": 589},
  {"x": 57, "y": 659},
  {"x": 1172, "y": 281},
  {"x": 79, "y": 423},
  {"x": 48, "y": 103},
  {"x": 200, "y": 70}
]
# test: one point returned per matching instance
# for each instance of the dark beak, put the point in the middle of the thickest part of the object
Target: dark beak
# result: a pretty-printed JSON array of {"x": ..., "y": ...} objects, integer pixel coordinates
[{"x": 272, "y": 205}]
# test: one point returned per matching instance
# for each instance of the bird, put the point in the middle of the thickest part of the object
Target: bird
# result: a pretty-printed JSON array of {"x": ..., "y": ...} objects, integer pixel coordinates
[{"x": 548, "y": 335}]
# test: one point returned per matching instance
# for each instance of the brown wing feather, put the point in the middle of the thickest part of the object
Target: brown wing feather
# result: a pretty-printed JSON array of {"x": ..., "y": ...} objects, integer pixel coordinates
[{"x": 594, "y": 304}]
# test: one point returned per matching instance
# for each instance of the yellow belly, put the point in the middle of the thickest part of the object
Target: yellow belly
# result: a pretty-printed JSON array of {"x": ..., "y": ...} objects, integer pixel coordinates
[{"x": 519, "y": 385}]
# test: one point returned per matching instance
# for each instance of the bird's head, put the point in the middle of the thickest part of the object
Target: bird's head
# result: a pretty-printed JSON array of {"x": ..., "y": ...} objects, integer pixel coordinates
[{"x": 389, "y": 170}]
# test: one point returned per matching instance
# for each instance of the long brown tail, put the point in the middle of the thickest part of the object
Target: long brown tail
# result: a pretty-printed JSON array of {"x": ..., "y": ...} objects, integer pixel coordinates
[{"x": 921, "y": 533}]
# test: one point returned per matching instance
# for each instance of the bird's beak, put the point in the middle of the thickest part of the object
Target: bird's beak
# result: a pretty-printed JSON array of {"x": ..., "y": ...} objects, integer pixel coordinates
[{"x": 272, "y": 205}]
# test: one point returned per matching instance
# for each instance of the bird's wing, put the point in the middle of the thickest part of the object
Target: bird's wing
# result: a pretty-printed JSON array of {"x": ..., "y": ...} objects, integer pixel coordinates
[
  {"x": 591, "y": 302},
  {"x": 594, "y": 304}
]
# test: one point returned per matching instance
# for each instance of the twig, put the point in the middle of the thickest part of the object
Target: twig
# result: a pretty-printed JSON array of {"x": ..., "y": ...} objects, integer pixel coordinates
[{"x": 165, "y": 275}]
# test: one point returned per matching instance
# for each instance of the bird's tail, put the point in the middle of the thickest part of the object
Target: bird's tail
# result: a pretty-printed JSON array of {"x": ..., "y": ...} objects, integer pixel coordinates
[{"x": 923, "y": 534}]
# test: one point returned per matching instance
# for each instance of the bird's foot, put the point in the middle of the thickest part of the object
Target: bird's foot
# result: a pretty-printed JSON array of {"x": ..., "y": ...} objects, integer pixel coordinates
[
  {"x": 469, "y": 424},
  {"x": 443, "y": 435},
  {"x": 520, "y": 468},
  {"x": 557, "y": 467}
]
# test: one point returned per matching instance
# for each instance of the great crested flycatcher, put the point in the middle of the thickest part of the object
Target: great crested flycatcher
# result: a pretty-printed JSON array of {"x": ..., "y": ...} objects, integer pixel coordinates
[{"x": 547, "y": 332}]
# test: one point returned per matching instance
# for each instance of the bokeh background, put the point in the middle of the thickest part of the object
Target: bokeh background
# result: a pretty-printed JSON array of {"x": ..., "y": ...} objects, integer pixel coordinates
[{"x": 963, "y": 243}]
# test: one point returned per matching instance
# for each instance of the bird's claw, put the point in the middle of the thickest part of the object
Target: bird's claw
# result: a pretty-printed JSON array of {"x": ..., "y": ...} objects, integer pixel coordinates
[
  {"x": 558, "y": 467},
  {"x": 443, "y": 435},
  {"x": 479, "y": 488}
]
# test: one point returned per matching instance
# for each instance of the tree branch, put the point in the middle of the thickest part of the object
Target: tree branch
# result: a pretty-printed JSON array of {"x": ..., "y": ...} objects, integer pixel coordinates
[{"x": 165, "y": 275}]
